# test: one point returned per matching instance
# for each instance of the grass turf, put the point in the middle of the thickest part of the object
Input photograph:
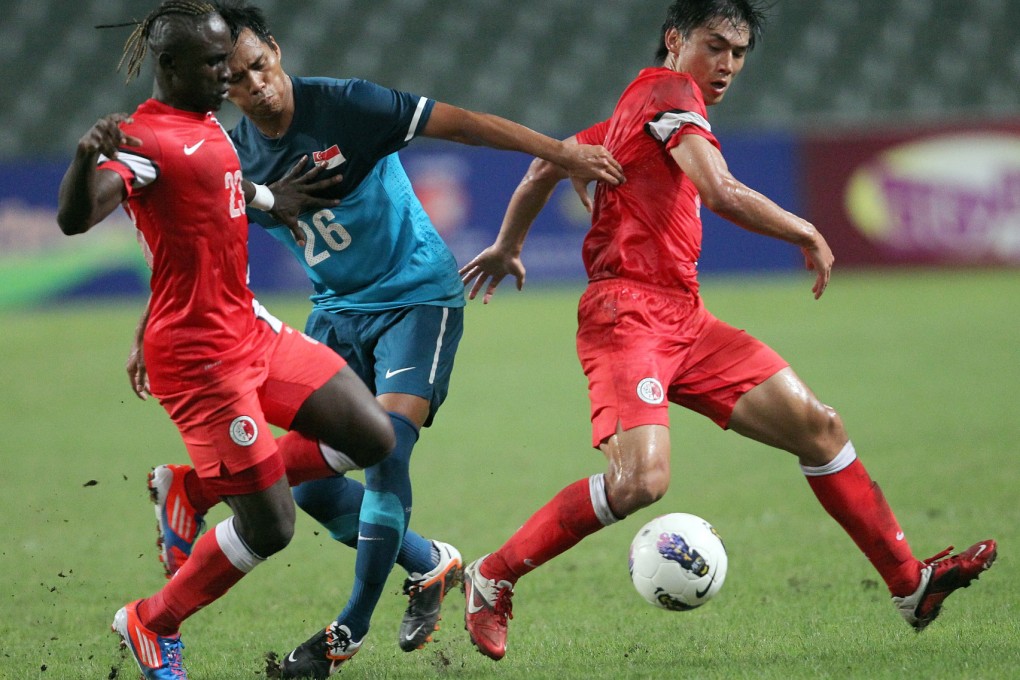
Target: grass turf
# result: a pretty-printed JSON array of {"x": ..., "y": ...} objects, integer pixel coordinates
[{"x": 921, "y": 365}]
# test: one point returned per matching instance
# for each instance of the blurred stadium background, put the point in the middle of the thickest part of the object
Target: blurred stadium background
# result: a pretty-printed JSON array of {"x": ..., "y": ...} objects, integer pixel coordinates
[
  {"x": 555, "y": 65},
  {"x": 893, "y": 124}
]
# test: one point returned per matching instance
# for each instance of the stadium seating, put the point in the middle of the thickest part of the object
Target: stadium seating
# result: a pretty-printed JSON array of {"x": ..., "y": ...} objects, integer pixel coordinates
[{"x": 555, "y": 65}]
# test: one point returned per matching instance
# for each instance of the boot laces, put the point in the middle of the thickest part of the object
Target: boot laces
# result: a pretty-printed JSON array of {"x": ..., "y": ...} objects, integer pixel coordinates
[{"x": 936, "y": 558}]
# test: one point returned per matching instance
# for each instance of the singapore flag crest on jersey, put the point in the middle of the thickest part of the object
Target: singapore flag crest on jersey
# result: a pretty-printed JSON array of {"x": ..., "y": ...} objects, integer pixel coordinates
[{"x": 331, "y": 157}]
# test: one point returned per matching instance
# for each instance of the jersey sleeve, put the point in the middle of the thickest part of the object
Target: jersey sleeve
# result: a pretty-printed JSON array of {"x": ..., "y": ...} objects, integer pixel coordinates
[
  {"x": 677, "y": 108},
  {"x": 386, "y": 119},
  {"x": 138, "y": 166},
  {"x": 596, "y": 134}
]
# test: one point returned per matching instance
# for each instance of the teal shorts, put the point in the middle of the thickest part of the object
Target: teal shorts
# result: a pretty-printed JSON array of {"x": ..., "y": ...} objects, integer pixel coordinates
[{"x": 409, "y": 350}]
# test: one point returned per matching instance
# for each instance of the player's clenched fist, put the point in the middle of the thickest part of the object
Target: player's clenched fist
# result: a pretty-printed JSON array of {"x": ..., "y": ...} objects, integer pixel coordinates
[{"x": 106, "y": 136}]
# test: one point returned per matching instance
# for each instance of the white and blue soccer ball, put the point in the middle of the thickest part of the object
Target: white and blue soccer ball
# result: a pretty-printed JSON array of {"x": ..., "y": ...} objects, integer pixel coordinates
[{"x": 677, "y": 561}]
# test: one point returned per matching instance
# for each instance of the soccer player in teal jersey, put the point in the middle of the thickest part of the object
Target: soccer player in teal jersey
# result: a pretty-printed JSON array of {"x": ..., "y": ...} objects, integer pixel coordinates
[
  {"x": 388, "y": 298},
  {"x": 377, "y": 251}
]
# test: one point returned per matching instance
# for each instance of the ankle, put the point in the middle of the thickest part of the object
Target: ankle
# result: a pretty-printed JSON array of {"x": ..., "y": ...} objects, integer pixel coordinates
[
  {"x": 908, "y": 580},
  {"x": 494, "y": 567}
]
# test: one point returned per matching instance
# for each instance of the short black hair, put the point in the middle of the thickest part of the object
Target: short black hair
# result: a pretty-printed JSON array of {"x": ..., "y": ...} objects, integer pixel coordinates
[
  {"x": 687, "y": 15},
  {"x": 239, "y": 15}
]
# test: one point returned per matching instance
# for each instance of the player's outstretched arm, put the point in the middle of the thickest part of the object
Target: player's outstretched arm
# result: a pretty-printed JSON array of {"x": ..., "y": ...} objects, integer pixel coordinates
[
  {"x": 503, "y": 257},
  {"x": 88, "y": 195},
  {"x": 724, "y": 195},
  {"x": 585, "y": 162},
  {"x": 295, "y": 193}
]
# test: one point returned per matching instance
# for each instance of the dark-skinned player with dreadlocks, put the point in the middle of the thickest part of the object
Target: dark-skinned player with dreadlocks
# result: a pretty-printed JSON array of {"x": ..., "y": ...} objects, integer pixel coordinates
[
  {"x": 222, "y": 367},
  {"x": 387, "y": 297}
]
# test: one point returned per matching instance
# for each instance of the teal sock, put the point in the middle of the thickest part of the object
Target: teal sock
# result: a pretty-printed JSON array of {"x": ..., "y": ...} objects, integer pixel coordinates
[
  {"x": 335, "y": 503},
  {"x": 385, "y": 510}
]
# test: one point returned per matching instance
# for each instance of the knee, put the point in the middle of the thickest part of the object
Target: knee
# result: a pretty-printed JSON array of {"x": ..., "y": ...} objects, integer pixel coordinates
[
  {"x": 825, "y": 436},
  {"x": 277, "y": 537},
  {"x": 367, "y": 443},
  {"x": 374, "y": 451},
  {"x": 636, "y": 489},
  {"x": 270, "y": 538},
  {"x": 832, "y": 427},
  {"x": 376, "y": 442}
]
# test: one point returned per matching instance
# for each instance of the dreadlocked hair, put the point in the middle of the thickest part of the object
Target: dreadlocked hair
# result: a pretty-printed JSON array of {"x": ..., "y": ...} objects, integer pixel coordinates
[{"x": 137, "y": 43}]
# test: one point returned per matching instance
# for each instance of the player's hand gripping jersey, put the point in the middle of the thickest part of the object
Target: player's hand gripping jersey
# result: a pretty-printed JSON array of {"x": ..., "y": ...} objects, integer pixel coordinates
[
  {"x": 377, "y": 250},
  {"x": 649, "y": 228},
  {"x": 184, "y": 195}
]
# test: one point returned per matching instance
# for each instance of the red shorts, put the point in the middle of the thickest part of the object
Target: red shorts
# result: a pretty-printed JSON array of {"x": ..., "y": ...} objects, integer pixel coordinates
[
  {"x": 643, "y": 346},
  {"x": 225, "y": 424}
]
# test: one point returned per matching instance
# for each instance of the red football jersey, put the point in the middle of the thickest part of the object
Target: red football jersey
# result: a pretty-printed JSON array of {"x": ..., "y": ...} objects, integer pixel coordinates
[
  {"x": 649, "y": 228},
  {"x": 185, "y": 196}
]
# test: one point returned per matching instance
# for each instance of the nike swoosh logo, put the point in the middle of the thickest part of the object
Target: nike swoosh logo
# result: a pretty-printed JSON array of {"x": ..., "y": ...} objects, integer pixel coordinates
[
  {"x": 701, "y": 593},
  {"x": 473, "y": 608},
  {"x": 980, "y": 550},
  {"x": 410, "y": 636},
  {"x": 188, "y": 150},
  {"x": 291, "y": 658},
  {"x": 390, "y": 374}
]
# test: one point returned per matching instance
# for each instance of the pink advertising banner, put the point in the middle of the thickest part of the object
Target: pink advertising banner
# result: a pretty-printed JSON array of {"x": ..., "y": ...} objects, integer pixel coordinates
[{"x": 934, "y": 195}]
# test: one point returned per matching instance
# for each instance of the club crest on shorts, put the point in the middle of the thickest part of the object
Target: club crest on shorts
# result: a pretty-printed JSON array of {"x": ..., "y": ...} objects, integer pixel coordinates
[
  {"x": 650, "y": 391},
  {"x": 243, "y": 431}
]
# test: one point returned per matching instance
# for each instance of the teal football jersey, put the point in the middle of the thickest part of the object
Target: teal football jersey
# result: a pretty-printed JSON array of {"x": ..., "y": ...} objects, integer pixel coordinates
[{"x": 378, "y": 249}]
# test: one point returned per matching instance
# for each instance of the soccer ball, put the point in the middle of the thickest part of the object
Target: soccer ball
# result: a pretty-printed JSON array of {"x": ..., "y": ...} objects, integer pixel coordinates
[{"x": 677, "y": 561}]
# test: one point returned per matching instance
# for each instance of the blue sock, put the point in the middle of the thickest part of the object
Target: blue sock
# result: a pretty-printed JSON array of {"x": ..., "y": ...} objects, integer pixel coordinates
[
  {"x": 378, "y": 544},
  {"x": 385, "y": 511},
  {"x": 335, "y": 503},
  {"x": 416, "y": 552}
]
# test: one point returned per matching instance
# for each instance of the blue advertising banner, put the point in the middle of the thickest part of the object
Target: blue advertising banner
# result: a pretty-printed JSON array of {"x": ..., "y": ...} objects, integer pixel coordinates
[
  {"x": 464, "y": 189},
  {"x": 770, "y": 164},
  {"x": 38, "y": 263}
]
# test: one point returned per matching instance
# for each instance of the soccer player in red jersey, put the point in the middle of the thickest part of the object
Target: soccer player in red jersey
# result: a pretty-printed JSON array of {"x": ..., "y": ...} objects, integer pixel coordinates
[
  {"x": 645, "y": 339},
  {"x": 222, "y": 367}
]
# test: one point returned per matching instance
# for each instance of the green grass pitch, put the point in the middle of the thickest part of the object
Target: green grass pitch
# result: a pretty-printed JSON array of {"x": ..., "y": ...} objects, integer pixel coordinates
[{"x": 923, "y": 366}]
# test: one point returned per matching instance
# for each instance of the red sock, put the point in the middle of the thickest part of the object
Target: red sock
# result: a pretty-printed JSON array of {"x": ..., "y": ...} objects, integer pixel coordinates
[
  {"x": 857, "y": 503},
  {"x": 558, "y": 526},
  {"x": 302, "y": 458},
  {"x": 206, "y": 576},
  {"x": 201, "y": 499}
]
